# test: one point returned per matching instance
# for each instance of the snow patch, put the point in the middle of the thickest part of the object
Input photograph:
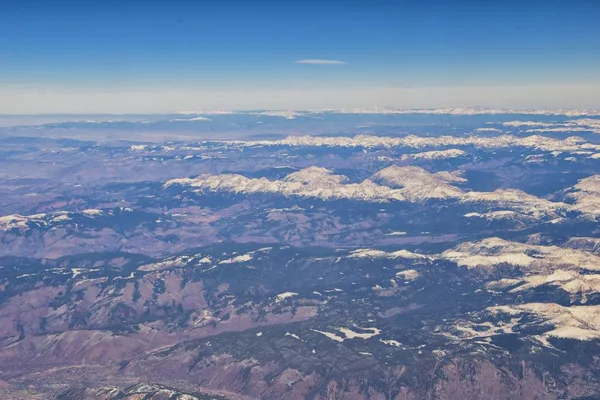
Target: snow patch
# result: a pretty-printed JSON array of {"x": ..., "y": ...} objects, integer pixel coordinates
[
  {"x": 434, "y": 155},
  {"x": 409, "y": 275},
  {"x": 294, "y": 336},
  {"x": 494, "y": 251},
  {"x": 394, "y": 343},
  {"x": 237, "y": 259},
  {"x": 348, "y": 333},
  {"x": 574, "y": 322},
  {"x": 282, "y": 296}
]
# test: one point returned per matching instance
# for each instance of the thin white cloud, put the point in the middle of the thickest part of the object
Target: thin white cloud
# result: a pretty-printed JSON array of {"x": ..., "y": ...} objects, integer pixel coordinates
[{"x": 317, "y": 61}]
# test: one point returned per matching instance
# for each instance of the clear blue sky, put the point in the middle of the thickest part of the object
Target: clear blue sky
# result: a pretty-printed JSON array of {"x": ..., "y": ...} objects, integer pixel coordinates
[{"x": 216, "y": 46}]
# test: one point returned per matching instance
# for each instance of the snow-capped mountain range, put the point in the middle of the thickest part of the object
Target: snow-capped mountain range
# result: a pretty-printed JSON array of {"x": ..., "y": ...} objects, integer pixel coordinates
[{"x": 395, "y": 183}]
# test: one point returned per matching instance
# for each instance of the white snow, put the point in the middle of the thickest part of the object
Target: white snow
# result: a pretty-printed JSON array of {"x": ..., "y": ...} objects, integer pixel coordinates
[
  {"x": 495, "y": 251},
  {"x": 348, "y": 333},
  {"x": 330, "y": 335},
  {"x": 312, "y": 182},
  {"x": 237, "y": 259},
  {"x": 576, "y": 284},
  {"x": 492, "y": 130},
  {"x": 138, "y": 147},
  {"x": 394, "y": 343},
  {"x": 421, "y": 142},
  {"x": 493, "y": 215},
  {"x": 575, "y": 125},
  {"x": 60, "y": 218},
  {"x": 409, "y": 275},
  {"x": 371, "y": 253},
  {"x": 92, "y": 212},
  {"x": 586, "y": 194},
  {"x": 574, "y": 322},
  {"x": 413, "y": 184},
  {"x": 462, "y": 111},
  {"x": 194, "y": 119},
  {"x": 167, "y": 263},
  {"x": 282, "y": 296},
  {"x": 13, "y": 221},
  {"x": 77, "y": 271},
  {"x": 282, "y": 114},
  {"x": 294, "y": 336},
  {"x": 434, "y": 155},
  {"x": 396, "y": 233},
  {"x": 417, "y": 184}
]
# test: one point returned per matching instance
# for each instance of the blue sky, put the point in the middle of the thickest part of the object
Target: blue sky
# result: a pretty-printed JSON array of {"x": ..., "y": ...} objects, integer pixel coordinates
[{"x": 226, "y": 47}]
